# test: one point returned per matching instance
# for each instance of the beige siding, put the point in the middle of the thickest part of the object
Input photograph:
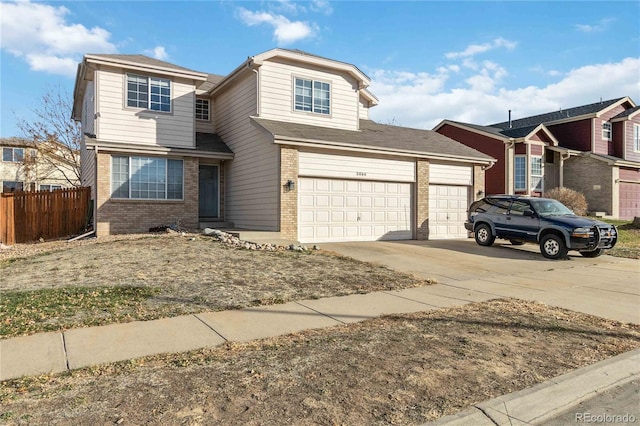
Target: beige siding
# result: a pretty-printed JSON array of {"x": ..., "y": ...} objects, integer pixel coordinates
[
  {"x": 276, "y": 95},
  {"x": 117, "y": 123},
  {"x": 252, "y": 189},
  {"x": 355, "y": 167},
  {"x": 88, "y": 169},
  {"x": 363, "y": 110},
  {"x": 88, "y": 110}
]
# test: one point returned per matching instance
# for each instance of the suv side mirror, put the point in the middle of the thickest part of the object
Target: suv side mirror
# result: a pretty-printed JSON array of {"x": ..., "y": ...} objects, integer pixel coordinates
[{"x": 529, "y": 213}]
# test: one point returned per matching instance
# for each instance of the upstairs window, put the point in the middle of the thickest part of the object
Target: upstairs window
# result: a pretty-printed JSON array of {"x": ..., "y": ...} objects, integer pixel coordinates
[
  {"x": 13, "y": 155},
  {"x": 606, "y": 131},
  {"x": 149, "y": 93},
  {"x": 202, "y": 109},
  {"x": 12, "y": 186},
  {"x": 520, "y": 172},
  {"x": 636, "y": 137},
  {"x": 312, "y": 96},
  {"x": 50, "y": 187}
]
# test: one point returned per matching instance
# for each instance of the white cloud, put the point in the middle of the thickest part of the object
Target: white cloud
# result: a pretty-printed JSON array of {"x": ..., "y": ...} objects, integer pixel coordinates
[
  {"x": 475, "y": 49},
  {"x": 284, "y": 30},
  {"x": 41, "y": 35},
  {"x": 157, "y": 52},
  {"x": 602, "y": 25},
  {"x": 421, "y": 100},
  {"x": 321, "y": 6}
]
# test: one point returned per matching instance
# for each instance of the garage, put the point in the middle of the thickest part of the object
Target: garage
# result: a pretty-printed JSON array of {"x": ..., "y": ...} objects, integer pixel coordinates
[
  {"x": 349, "y": 198},
  {"x": 449, "y": 194},
  {"x": 629, "y": 200}
]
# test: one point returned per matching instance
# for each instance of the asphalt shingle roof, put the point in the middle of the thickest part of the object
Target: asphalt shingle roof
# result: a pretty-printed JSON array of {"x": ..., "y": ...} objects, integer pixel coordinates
[
  {"x": 142, "y": 60},
  {"x": 376, "y": 136},
  {"x": 556, "y": 115},
  {"x": 626, "y": 112},
  {"x": 211, "y": 142}
]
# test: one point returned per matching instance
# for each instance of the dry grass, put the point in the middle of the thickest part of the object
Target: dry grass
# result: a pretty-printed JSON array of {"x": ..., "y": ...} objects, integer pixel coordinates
[
  {"x": 401, "y": 369},
  {"x": 55, "y": 286}
]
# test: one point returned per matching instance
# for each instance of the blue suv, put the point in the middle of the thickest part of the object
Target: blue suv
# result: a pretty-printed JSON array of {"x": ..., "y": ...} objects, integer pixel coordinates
[{"x": 543, "y": 221}]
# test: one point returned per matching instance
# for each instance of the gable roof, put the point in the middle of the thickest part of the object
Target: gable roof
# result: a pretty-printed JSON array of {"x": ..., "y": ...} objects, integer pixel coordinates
[
  {"x": 139, "y": 60},
  {"x": 375, "y": 137},
  {"x": 627, "y": 113},
  {"x": 561, "y": 115}
]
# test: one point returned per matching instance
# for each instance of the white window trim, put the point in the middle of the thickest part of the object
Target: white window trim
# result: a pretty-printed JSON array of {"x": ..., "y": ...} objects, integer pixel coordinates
[
  {"x": 13, "y": 154},
  {"x": 12, "y": 181},
  {"x": 148, "y": 108},
  {"x": 153, "y": 200},
  {"x": 208, "y": 109},
  {"x": 515, "y": 169},
  {"x": 636, "y": 137},
  {"x": 608, "y": 131},
  {"x": 313, "y": 80},
  {"x": 541, "y": 175}
]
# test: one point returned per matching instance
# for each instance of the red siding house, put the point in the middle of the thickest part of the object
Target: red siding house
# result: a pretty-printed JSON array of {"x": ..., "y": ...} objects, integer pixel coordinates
[{"x": 594, "y": 149}]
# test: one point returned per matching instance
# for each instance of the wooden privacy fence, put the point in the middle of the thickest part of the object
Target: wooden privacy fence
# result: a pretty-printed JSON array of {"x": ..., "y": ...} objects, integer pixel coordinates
[{"x": 29, "y": 216}]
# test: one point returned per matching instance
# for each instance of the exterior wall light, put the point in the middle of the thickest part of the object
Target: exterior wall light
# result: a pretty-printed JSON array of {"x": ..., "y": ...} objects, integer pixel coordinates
[{"x": 290, "y": 185}]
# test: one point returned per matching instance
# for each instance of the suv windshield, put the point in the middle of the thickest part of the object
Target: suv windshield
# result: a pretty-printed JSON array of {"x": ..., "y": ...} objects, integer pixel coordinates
[{"x": 551, "y": 208}]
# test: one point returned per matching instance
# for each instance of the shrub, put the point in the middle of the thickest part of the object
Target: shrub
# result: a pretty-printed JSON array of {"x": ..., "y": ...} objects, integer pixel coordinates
[{"x": 573, "y": 199}]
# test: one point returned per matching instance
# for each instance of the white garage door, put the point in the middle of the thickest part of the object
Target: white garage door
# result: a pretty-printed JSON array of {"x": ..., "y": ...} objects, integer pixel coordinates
[
  {"x": 447, "y": 211},
  {"x": 332, "y": 210}
]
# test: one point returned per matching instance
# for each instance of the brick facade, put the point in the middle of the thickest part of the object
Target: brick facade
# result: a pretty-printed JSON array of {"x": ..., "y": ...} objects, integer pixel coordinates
[
  {"x": 129, "y": 216},
  {"x": 594, "y": 179},
  {"x": 288, "y": 199},
  {"x": 422, "y": 199},
  {"x": 478, "y": 183}
]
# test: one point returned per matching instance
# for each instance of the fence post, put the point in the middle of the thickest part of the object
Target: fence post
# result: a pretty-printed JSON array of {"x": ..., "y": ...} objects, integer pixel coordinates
[{"x": 7, "y": 219}]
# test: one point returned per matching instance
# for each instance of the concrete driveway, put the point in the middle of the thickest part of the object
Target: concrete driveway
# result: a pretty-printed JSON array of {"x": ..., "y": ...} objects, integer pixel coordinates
[{"x": 606, "y": 286}]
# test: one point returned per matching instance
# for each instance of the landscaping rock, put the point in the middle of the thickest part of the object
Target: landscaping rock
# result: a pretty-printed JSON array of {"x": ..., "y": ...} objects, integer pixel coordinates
[{"x": 233, "y": 241}]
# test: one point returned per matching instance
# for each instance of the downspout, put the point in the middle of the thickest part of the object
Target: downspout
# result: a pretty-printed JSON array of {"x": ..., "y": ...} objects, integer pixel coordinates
[
  {"x": 561, "y": 177},
  {"x": 509, "y": 166},
  {"x": 258, "y": 98}
]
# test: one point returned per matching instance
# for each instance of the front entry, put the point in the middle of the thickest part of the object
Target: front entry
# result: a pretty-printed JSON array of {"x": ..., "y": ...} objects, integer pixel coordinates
[{"x": 209, "y": 198}]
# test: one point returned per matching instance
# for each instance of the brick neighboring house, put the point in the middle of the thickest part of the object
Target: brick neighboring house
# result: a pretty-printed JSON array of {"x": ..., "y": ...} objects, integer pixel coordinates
[
  {"x": 23, "y": 168},
  {"x": 283, "y": 143},
  {"x": 594, "y": 149}
]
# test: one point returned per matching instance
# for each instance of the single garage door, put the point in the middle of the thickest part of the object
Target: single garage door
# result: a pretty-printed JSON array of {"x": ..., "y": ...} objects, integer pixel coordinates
[
  {"x": 333, "y": 210},
  {"x": 447, "y": 211},
  {"x": 629, "y": 200},
  {"x": 450, "y": 185}
]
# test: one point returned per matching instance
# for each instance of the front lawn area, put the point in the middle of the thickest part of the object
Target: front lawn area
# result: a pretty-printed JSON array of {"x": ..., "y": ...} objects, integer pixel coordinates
[
  {"x": 628, "y": 239},
  {"x": 148, "y": 277}
]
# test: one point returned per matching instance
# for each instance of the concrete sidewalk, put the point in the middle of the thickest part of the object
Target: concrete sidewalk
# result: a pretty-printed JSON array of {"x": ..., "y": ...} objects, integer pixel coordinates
[{"x": 58, "y": 352}]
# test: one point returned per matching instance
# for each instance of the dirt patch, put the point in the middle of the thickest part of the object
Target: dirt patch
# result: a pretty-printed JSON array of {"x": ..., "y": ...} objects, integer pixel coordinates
[
  {"x": 188, "y": 274},
  {"x": 401, "y": 369}
]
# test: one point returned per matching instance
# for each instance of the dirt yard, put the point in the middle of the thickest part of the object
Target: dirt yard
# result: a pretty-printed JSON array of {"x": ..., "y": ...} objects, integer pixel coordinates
[
  {"x": 59, "y": 285},
  {"x": 402, "y": 369}
]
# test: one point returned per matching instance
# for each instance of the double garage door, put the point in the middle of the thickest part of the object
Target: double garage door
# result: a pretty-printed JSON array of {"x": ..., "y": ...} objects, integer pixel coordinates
[
  {"x": 346, "y": 198},
  {"x": 351, "y": 210}
]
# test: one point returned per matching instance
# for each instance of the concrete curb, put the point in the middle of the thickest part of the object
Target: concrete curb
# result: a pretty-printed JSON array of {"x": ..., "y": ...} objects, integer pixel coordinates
[{"x": 546, "y": 400}]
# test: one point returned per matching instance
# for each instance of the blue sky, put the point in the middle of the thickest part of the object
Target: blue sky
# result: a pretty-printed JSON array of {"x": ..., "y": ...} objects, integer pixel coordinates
[{"x": 467, "y": 61}]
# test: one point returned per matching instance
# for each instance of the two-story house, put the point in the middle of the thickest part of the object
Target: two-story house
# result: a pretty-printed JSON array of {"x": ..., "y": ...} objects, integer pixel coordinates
[
  {"x": 28, "y": 167},
  {"x": 593, "y": 149},
  {"x": 282, "y": 143}
]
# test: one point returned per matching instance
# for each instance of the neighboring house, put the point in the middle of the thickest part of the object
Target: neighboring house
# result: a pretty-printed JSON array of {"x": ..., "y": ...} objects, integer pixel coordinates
[
  {"x": 593, "y": 149},
  {"x": 23, "y": 168},
  {"x": 283, "y": 143}
]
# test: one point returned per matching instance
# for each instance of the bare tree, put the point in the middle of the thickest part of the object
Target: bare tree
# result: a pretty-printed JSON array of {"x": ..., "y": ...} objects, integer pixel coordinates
[{"x": 54, "y": 137}]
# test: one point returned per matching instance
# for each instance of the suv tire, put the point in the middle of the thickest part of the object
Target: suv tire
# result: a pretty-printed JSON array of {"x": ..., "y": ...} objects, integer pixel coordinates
[
  {"x": 594, "y": 253},
  {"x": 552, "y": 246},
  {"x": 483, "y": 235}
]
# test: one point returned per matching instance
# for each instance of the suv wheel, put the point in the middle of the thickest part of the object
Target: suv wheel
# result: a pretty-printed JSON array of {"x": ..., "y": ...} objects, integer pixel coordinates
[
  {"x": 484, "y": 237},
  {"x": 552, "y": 246},
  {"x": 594, "y": 253}
]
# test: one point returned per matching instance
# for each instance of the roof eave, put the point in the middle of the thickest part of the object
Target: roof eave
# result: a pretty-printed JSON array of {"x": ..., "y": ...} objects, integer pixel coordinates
[
  {"x": 99, "y": 60},
  {"x": 288, "y": 140}
]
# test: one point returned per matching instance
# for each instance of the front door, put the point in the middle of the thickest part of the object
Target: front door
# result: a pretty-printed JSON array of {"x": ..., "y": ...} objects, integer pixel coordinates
[{"x": 209, "y": 183}]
